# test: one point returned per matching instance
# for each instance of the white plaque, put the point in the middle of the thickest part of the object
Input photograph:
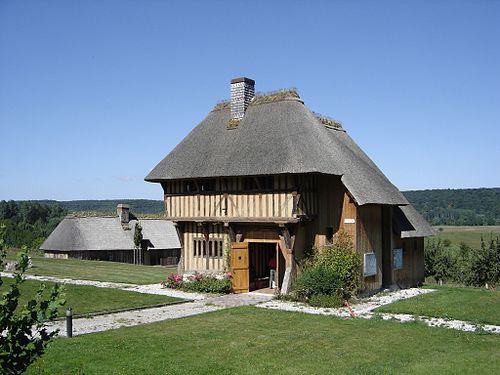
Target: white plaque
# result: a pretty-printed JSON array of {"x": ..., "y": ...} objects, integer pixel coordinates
[
  {"x": 349, "y": 221},
  {"x": 397, "y": 259},
  {"x": 370, "y": 264}
]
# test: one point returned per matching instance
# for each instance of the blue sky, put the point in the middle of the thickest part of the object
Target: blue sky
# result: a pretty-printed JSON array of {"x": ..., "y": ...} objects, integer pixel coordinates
[{"x": 94, "y": 93}]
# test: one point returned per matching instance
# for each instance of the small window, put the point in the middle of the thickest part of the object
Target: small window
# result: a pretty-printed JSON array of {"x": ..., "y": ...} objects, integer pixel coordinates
[
  {"x": 397, "y": 258},
  {"x": 370, "y": 265},
  {"x": 207, "y": 185}
]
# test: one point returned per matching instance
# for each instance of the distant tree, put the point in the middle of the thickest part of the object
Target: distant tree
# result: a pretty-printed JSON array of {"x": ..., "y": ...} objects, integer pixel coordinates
[
  {"x": 137, "y": 236},
  {"x": 23, "y": 335}
]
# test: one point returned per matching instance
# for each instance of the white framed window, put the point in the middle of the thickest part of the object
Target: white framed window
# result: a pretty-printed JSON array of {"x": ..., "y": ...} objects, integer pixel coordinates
[
  {"x": 370, "y": 264},
  {"x": 397, "y": 259}
]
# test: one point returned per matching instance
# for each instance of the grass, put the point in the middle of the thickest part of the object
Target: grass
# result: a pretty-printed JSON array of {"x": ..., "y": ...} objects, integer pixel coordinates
[
  {"x": 470, "y": 235},
  {"x": 469, "y": 304},
  {"x": 85, "y": 299},
  {"x": 97, "y": 270},
  {"x": 249, "y": 340}
]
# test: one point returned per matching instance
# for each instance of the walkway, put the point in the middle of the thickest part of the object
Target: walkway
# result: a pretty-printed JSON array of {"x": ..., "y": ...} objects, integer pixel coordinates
[
  {"x": 135, "y": 317},
  {"x": 365, "y": 311},
  {"x": 200, "y": 304}
]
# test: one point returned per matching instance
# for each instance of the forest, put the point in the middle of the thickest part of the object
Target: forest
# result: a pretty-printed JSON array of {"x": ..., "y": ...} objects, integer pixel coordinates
[
  {"x": 457, "y": 206},
  {"x": 29, "y": 223}
]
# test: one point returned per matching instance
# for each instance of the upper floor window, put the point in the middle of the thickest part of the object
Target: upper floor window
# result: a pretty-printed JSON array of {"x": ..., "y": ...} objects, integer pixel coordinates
[{"x": 258, "y": 183}]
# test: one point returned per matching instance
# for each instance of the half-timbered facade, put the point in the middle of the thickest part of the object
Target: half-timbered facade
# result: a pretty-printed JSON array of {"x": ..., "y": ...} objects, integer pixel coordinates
[{"x": 263, "y": 179}]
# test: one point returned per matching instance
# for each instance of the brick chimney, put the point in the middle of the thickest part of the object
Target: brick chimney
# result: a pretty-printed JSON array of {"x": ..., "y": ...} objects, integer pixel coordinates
[
  {"x": 123, "y": 212},
  {"x": 242, "y": 92}
]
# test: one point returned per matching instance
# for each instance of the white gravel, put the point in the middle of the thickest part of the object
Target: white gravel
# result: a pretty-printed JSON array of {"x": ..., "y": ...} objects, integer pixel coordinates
[
  {"x": 365, "y": 309},
  {"x": 99, "y": 284},
  {"x": 205, "y": 303}
]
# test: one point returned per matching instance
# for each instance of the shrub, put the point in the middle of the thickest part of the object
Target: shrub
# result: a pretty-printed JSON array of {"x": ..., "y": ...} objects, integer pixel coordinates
[
  {"x": 23, "y": 333},
  {"x": 316, "y": 280},
  {"x": 209, "y": 284},
  {"x": 320, "y": 300},
  {"x": 341, "y": 258},
  {"x": 200, "y": 283}
]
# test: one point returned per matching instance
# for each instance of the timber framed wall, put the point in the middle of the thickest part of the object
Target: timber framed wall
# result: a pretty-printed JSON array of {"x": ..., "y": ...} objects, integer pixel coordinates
[
  {"x": 253, "y": 197},
  {"x": 205, "y": 247}
]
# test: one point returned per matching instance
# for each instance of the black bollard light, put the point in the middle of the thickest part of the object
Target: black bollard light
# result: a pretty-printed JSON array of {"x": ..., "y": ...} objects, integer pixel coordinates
[{"x": 69, "y": 322}]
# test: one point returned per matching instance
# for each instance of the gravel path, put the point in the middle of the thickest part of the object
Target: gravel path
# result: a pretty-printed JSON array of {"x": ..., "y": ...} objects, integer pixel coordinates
[
  {"x": 156, "y": 314},
  {"x": 203, "y": 303},
  {"x": 365, "y": 311}
]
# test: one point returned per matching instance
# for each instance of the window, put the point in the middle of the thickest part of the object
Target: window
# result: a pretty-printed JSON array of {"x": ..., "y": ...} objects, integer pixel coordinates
[
  {"x": 214, "y": 247},
  {"x": 397, "y": 259},
  {"x": 206, "y": 185},
  {"x": 370, "y": 265},
  {"x": 258, "y": 183}
]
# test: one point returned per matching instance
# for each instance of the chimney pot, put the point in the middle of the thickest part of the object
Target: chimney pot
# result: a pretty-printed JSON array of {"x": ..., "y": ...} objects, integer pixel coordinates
[
  {"x": 123, "y": 212},
  {"x": 242, "y": 92}
]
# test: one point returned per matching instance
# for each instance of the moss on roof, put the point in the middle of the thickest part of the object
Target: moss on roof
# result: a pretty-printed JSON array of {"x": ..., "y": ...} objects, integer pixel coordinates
[
  {"x": 274, "y": 96},
  {"x": 262, "y": 98},
  {"x": 133, "y": 216},
  {"x": 328, "y": 121}
]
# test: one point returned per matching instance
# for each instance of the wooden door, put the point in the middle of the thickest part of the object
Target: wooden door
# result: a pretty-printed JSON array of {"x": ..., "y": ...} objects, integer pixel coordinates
[{"x": 239, "y": 266}]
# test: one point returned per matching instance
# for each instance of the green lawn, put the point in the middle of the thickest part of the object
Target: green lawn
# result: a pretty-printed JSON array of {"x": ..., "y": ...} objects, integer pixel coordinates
[
  {"x": 86, "y": 299},
  {"x": 249, "y": 340},
  {"x": 470, "y": 235},
  {"x": 470, "y": 304},
  {"x": 97, "y": 270}
]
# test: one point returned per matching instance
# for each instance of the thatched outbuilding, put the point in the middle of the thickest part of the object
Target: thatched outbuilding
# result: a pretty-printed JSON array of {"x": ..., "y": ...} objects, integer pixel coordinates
[{"x": 111, "y": 238}]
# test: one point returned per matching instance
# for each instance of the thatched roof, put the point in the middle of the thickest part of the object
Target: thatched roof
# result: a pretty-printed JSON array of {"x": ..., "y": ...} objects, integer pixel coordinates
[
  {"x": 107, "y": 233},
  {"x": 409, "y": 223},
  {"x": 276, "y": 137}
]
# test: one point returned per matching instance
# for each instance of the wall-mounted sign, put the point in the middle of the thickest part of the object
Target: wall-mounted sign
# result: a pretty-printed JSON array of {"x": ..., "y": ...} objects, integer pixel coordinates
[
  {"x": 397, "y": 259},
  {"x": 349, "y": 221},
  {"x": 370, "y": 264}
]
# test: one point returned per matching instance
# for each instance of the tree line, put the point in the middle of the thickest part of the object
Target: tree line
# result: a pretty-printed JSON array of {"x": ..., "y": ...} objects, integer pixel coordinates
[
  {"x": 457, "y": 206},
  {"x": 465, "y": 265},
  {"x": 29, "y": 223}
]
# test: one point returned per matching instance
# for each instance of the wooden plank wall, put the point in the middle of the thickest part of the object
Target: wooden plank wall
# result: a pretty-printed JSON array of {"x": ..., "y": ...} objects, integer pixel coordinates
[
  {"x": 331, "y": 195},
  {"x": 193, "y": 262},
  {"x": 413, "y": 271},
  {"x": 369, "y": 239},
  {"x": 230, "y": 200}
]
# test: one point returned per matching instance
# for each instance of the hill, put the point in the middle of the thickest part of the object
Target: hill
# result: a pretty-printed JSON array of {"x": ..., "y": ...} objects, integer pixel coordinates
[
  {"x": 137, "y": 206},
  {"x": 457, "y": 206}
]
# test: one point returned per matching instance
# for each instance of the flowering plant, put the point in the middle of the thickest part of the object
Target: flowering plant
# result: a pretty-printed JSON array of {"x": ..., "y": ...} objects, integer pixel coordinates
[{"x": 173, "y": 281}]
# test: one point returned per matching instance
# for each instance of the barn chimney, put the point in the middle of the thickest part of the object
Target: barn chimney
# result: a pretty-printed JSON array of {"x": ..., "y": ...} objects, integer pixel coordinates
[
  {"x": 242, "y": 92},
  {"x": 123, "y": 212}
]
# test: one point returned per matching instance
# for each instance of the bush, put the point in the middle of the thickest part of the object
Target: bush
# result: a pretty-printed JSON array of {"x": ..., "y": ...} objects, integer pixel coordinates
[
  {"x": 332, "y": 275},
  {"x": 199, "y": 283},
  {"x": 341, "y": 258},
  {"x": 468, "y": 266},
  {"x": 24, "y": 336},
  {"x": 320, "y": 300},
  {"x": 209, "y": 284},
  {"x": 316, "y": 280}
]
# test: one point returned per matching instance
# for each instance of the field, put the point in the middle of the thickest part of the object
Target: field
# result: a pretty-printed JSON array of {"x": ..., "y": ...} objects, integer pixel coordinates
[
  {"x": 470, "y": 304},
  {"x": 89, "y": 299},
  {"x": 470, "y": 235},
  {"x": 97, "y": 270},
  {"x": 249, "y": 340}
]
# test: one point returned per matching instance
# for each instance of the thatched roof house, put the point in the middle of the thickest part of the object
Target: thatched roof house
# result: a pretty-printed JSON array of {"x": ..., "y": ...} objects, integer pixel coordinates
[
  {"x": 112, "y": 238},
  {"x": 268, "y": 168}
]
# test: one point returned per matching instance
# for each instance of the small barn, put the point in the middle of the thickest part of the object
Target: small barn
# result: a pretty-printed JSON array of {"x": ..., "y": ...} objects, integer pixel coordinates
[
  {"x": 111, "y": 238},
  {"x": 263, "y": 177}
]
